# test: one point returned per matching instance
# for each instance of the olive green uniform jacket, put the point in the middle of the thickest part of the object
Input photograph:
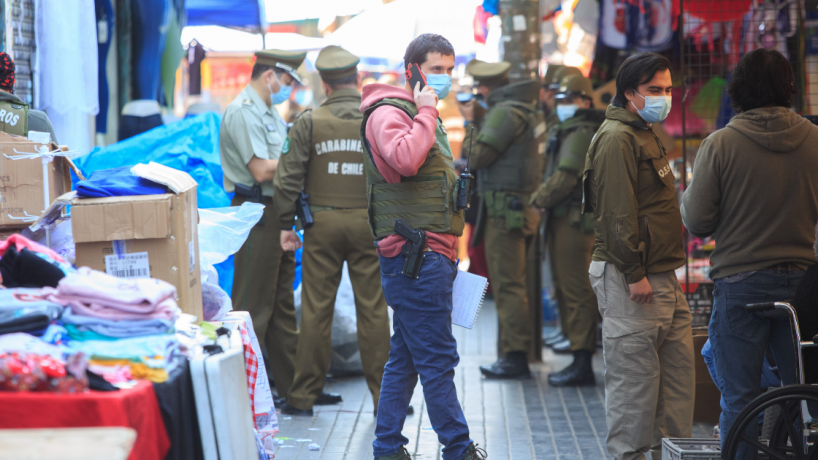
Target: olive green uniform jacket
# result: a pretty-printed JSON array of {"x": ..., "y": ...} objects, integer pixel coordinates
[{"x": 629, "y": 186}]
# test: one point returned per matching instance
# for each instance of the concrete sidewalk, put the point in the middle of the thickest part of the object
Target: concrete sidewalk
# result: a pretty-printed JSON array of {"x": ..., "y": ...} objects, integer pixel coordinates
[{"x": 512, "y": 420}]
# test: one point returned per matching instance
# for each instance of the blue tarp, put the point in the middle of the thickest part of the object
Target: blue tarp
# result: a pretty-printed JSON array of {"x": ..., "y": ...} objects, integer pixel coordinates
[
  {"x": 246, "y": 14},
  {"x": 190, "y": 145}
]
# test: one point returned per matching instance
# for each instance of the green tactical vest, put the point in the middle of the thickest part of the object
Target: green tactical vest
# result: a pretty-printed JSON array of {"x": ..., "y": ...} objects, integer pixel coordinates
[
  {"x": 426, "y": 200},
  {"x": 14, "y": 118},
  {"x": 335, "y": 176},
  {"x": 520, "y": 168}
]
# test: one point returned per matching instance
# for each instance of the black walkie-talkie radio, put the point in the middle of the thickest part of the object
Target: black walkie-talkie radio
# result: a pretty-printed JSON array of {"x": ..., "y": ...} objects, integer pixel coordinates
[{"x": 464, "y": 183}]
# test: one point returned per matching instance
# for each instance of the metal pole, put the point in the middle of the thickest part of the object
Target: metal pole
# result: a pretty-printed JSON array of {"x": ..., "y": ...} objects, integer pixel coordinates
[{"x": 684, "y": 135}]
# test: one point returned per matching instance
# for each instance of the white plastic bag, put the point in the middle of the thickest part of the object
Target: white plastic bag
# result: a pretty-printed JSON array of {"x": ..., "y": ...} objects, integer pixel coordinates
[{"x": 222, "y": 231}]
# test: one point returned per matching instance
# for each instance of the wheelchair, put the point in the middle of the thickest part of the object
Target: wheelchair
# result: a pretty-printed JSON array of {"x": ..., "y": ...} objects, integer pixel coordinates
[{"x": 790, "y": 430}]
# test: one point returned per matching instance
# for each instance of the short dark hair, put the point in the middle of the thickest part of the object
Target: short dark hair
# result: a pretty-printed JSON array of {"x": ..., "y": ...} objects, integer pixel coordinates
[
  {"x": 637, "y": 70},
  {"x": 346, "y": 81},
  {"x": 259, "y": 69},
  {"x": 762, "y": 78},
  {"x": 418, "y": 50}
]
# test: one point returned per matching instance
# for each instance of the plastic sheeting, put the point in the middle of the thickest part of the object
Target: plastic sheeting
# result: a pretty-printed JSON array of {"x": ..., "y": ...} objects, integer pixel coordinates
[
  {"x": 245, "y": 14},
  {"x": 190, "y": 145}
]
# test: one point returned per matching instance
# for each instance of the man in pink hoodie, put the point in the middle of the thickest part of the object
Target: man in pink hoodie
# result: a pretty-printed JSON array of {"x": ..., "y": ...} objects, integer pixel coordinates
[{"x": 411, "y": 177}]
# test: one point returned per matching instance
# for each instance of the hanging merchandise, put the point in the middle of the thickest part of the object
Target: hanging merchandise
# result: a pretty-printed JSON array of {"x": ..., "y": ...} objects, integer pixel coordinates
[
  {"x": 171, "y": 55},
  {"x": 644, "y": 25},
  {"x": 481, "y": 25},
  {"x": 151, "y": 19},
  {"x": 67, "y": 47},
  {"x": 105, "y": 35},
  {"x": 727, "y": 10},
  {"x": 491, "y": 6},
  {"x": 195, "y": 56}
]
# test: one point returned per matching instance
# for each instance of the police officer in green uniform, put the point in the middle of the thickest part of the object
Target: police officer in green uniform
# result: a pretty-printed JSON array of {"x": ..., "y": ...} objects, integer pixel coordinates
[
  {"x": 252, "y": 137},
  {"x": 508, "y": 155},
  {"x": 324, "y": 156},
  {"x": 570, "y": 233},
  {"x": 17, "y": 117}
]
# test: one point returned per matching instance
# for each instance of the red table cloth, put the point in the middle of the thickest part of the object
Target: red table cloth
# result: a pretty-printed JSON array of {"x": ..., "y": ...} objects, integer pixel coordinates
[{"x": 135, "y": 408}]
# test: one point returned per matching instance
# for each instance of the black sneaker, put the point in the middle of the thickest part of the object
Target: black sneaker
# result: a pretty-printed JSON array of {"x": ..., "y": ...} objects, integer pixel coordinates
[
  {"x": 327, "y": 399},
  {"x": 554, "y": 340},
  {"x": 513, "y": 366},
  {"x": 473, "y": 452},
  {"x": 287, "y": 409},
  {"x": 403, "y": 454},
  {"x": 562, "y": 348}
]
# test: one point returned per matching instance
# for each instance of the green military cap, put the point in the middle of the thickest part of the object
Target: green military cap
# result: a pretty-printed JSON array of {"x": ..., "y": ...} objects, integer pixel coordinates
[
  {"x": 334, "y": 63},
  {"x": 288, "y": 61},
  {"x": 565, "y": 71},
  {"x": 550, "y": 74},
  {"x": 486, "y": 72},
  {"x": 575, "y": 85}
]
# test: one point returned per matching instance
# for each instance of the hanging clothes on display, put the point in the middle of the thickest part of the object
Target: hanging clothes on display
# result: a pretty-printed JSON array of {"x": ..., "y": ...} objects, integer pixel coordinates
[
  {"x": 105, "y": 35},
  {"x": 644, "y": 25},
  {"x": 172, "y": 54},
  {"x": 67, "y": 56},
  {"x": 150, "y": 26},
  {"x": 195, "y": 56}
]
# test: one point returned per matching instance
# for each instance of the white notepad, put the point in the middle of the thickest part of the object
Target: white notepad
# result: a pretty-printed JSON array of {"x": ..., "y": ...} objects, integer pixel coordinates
[{"x": 467, "y": 298}]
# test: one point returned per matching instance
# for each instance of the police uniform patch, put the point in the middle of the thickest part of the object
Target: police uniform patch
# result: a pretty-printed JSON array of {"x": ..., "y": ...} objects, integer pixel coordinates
[
  {"x": 247, "y": 103},
  {"x": 286, "y": 148}
]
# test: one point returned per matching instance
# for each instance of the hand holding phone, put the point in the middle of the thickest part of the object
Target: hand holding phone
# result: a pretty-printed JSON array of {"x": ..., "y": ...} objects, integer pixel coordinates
[{"x": 414, "y": 76}]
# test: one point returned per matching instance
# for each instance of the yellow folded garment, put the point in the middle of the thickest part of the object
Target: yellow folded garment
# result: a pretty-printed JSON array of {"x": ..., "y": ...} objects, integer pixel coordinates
[{"x": 140, "y": 371}]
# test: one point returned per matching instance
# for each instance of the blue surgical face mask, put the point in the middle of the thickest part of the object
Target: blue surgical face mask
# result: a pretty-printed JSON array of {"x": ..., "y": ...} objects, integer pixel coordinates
[
  {"x": 441, "y": 83},
  {"x": 656, "y": 108},
  {"x": 565, "y": 112},
  {"x": 283, "y": 93}
]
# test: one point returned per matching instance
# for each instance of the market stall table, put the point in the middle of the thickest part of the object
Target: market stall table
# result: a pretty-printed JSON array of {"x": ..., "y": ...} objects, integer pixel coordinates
[{"x": 136, "y": 408}]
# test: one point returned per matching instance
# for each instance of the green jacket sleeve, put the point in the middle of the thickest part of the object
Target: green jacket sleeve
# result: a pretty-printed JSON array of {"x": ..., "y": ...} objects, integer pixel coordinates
[
  {"x": 700, "y": 202},
  {"x": 554, "y": 190},
  {"x": 292, "y": 170},
  {"x": 501, "y": 126},
  {"x": 616, "y": 169}
]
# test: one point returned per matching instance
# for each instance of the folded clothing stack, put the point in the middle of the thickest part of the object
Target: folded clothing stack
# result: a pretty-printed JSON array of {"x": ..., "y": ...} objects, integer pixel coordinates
[
  {"x": 25, "y": 310},
  {"x": 121, "y": 324},
  {"x": 24, "y": 263}
]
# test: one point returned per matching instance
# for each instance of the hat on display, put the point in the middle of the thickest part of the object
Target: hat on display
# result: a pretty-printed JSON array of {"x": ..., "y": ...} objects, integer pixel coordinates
[
  {"x": 288, "y": 61},
  {"x": 560, "y": 75},
  {"x": 486, "y": 72},
  {"x": 6, "y": 72},
  {"x": 575, "y": 85},
  {"x": 335, "y": 63}
]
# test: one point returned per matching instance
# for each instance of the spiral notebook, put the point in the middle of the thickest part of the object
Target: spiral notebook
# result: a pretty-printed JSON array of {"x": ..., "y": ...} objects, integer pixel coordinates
[{"x": 467, "y": 298}]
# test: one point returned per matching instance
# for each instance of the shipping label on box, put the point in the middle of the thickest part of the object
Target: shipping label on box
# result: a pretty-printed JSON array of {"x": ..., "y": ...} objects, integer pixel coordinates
[{"x": 128, "y": 265}]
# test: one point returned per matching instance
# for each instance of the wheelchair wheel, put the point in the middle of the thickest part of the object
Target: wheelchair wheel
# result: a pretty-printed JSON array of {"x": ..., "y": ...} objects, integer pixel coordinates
[{"x": 786, "y": 440}]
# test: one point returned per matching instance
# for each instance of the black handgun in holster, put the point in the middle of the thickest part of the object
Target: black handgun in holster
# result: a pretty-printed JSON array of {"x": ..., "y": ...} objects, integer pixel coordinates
[
  {"x": 302, "y": 209},
  {"x": 412, "y": 250},
  {"x": 253, "y": 195}
]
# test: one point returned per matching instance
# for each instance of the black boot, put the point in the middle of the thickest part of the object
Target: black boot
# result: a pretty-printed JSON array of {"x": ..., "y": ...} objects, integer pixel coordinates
[
  {"x": 579, "y": 373},
  {"x": 326, "y": 399},
  {"x": 513, "y": 366}
]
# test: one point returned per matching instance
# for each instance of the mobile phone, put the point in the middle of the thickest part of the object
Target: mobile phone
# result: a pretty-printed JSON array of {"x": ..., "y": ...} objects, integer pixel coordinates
[{"x": 415, "y": 75}]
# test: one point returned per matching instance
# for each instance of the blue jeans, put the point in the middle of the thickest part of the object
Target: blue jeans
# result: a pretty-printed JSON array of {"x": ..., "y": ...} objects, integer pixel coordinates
[
  {"x": 739, "y": 340},
  {"x": 422, "y": 344}
]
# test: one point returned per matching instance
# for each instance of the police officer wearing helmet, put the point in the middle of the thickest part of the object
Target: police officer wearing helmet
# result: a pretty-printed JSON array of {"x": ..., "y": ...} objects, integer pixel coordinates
[
  {"x": 508, "y": 155},
  {"x": 16, "y": 117},
  {"x": 252, "y": 137},
  {"x": 570, "y": 233},
  {"x": 323, "y": 155}
]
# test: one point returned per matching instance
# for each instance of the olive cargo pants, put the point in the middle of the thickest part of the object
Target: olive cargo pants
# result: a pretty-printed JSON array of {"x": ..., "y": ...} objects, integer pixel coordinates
[
  {"x": 649, "y": 374},
  {"x": 506, "y": 252},
  {"x": 263, "y": 286},
  {"x": 570, "y": 255},
  {"x": 339, "y": 235}
]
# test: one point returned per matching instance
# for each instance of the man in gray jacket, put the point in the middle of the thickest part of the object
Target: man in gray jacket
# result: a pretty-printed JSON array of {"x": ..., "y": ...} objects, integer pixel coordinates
[{"x": 755, "y": 187}]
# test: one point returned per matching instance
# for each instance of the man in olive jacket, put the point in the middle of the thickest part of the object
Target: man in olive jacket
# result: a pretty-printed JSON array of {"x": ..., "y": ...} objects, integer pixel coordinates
[
  {"x": 647, "y": 339},
  {"x": 755, "y": 188}
]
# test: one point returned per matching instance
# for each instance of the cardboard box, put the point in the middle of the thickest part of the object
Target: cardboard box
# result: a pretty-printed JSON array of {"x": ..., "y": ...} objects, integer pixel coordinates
[
  {"x": 21, "y": 180},
  {"x": 707, "y": 405},
  {"x": 148, "y": 235}
]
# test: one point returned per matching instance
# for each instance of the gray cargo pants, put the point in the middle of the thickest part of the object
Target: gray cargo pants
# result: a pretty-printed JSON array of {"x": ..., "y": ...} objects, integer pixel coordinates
[{"x": 649, "y": 373}]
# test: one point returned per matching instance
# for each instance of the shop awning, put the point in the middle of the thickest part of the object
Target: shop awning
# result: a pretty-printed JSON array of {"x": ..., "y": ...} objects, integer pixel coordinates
[{"x": 244, "y": 14}]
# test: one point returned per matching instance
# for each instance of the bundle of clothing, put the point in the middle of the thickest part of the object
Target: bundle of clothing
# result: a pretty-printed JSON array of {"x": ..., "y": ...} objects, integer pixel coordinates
[
  {"x": 26, "y": 264},
  {"x": 29, "y": 364},
  {"x": 125, "y": 326}
]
